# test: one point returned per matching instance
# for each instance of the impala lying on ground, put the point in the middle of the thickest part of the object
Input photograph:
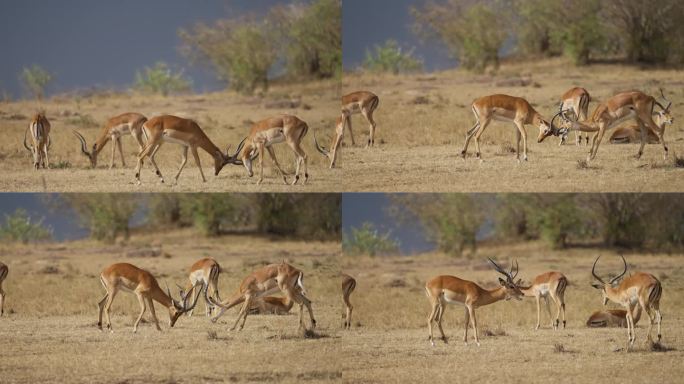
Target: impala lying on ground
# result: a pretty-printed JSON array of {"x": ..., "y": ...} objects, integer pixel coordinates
[
  {"x": 642, "y": 289},
  {"x": 204, "y": 273},
  {"x": 362, "y": 102},
  {"x": 39, "y": 129},
  {"x": 129, "y": 278},
  {"x": 263, "y": 282},
  {"x": 623, "y": 106},
  {"x": 348, "y": 286},
  {"x": 574, "y": 105},
  {"x": 612, "y": 318},
  {"x": 510, "y": 109},
  {"x": 442, "y": 290},
  {"x": 548, "y": 285},
  {"x": 271, "y": 305},
  {"x": 3, "y": 274},
  {"x": 116, "y": 127},
  {"x": 632, "y": 133},
  {"x": 336, "y": 141},
  {"x": 186, "y": 133},
  {"x": 264, "y": 134}
]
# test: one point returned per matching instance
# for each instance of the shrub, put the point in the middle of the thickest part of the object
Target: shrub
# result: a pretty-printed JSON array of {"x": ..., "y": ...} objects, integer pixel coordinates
[
  {"x": 366, "y": 240},
  {"x": 106, "y": 215},
  {"x": 390, "y": 58},
  {"x": 19, "y": 228},
  {"x": 35, "y": 80},
  {"x": 161, "y": 80}
]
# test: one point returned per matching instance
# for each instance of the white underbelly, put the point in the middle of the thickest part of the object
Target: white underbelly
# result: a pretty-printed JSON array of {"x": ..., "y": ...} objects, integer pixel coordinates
[
  {"x": 543, "y": 290},
  {"x": 168, "y": 139}
]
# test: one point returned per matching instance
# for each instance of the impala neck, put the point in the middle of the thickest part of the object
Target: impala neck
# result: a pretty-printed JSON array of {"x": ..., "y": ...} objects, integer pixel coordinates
[
  {"x": 527, "y": 291},
  {"x": 612, "y": 294},
  {"x": 537, "y": 119},
  {"x": 492, "y": 296},
  {"x": 161, "y": 297},
  {"x": 210, "y": 148}
]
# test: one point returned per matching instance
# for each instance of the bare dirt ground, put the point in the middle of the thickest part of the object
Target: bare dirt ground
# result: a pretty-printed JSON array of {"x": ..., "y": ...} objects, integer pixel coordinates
[
  {"x": 224, "y": 116},
  {"x": 422, "y": 120},
  {"x": 388, "y": 342},
  {"x": 49, "y": 333}
]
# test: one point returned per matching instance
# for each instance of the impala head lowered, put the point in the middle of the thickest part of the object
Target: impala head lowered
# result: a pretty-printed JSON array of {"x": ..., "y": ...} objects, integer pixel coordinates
[
  {"x": 244, "y": 156},
  {"x": 512, "y": 290},
  {"x": 92, "y": 156},
  {"x": 179, "y": 308},
  {"x": 547, "y": 129},
  {"x": 228, "y": 158},
  {"x": 600, "y": 284}
]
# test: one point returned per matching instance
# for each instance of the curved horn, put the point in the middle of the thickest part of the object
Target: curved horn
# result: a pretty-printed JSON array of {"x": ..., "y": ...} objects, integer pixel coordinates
[
  {"x": 320, "y": 149},
  {"x": 500, "y": 270},
  {"x": 233, "y": 159},
  {"x": 669, "y": 103},
  {"x": 614, "y": 279},
  {"x": 593, "y": 273},
  {"x": 84, "y": 146},
  {"x": 194, "y": 303},
  {"x": 254, "y": 155},
  {"x": 26, "y": 145}
]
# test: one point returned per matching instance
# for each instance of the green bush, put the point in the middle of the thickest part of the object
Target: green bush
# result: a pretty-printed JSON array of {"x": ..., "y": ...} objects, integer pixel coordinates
[
  {"x": 106, "y": 215},
  {"x": 214, "y": 213},
  {"x": 390, "y": 58},
  {"x": 35, "y": 79},
  {"x": 161, "y": 80},
  {"x": 18, "y": 227},
  {"x": 367, "y": 241}
]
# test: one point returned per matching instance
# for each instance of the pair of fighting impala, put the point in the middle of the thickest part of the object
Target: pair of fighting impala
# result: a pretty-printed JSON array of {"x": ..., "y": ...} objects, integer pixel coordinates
[
  {"x": 638, "y": 292},
  {"x": 254, "y": 292}
]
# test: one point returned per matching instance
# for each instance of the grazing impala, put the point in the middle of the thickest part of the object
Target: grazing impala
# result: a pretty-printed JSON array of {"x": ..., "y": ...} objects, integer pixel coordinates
[
  {"x": 263, "y": 282},
  {"x": 348, "y": 286},
  {"x": 264, "y": 134},
  {"x": 510, "y": 109},
  {"x": 186, "y": 133},
  {"x": 3, "y": 274},
  {"x": 362, "y": 102},
  {"x": 549, "y": 284},
  {"x": 610, "y": 113},
  {"x": 40, "y": 140},
  {"x": 114, "y": 129},
  {"x": 632, "y": 134},
  {"x": 129, "y": 278},
  {"x": 612, "y": 318},
  {"x": 204, "y": 272},
  {"x": 442, "y": 290},
  {"x": 642, "y": 289},
  {"x": 576, "y": 101},
  {"x": 336, "y": 141}
]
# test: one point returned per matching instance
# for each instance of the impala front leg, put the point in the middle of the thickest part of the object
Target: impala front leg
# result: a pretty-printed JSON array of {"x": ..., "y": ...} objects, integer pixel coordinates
[{"x": 260, "y": 147}]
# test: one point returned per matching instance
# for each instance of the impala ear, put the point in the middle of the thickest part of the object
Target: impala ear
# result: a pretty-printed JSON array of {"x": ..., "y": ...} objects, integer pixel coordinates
[
  {"x": 502, "y": 282},
  {"x": 597, "y": 285}
]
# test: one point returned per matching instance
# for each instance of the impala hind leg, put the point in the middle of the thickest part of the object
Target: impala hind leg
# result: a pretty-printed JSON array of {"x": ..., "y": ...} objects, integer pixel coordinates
[
  {"x": 301, "y": 157},
  {"x": 101, "y": 305},
  {"x": 2, "y": 306},
  {"x": 145, "y": 152},
  {"x": 243, "y": 312},
  {"x": 300, "y": 299},
  {"x": 114, "y": 142},
  {"x": 368, "y": 114},
  {"x": 260, "y": 147},
  {"x": 478, "y": 133},
  {"x": 538, "y": 299},
  {"x": 431, "y": 319},
  {"x": 440, "y": 314},
  {"x": 184, "y": 160},
  {"x": 271, "y": 152},
  {"x": 46, "y": 161},
  {"x": 467, "y": 324},
  {"x": 141, "y": 300},
  {"x": 348, "y": 122},
  {"x": 108, "y": 308}
]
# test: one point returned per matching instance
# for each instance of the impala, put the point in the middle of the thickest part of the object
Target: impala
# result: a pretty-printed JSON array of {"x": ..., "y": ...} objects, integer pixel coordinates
[
  {"x": 39, "y": 127},
  {"x": 348, "y": 286},
  {"x": 362, "y": 102},
  {"x": 3, "y": 274},
  {"x": 632, "y": 134},
  {"x": 186, "y": 133},
  {"x": 114, "y": 129},
  {"x": 610, "y": 113},
  {"x": 443, "y": 290},
  {"x": 271, "y": 305},
  {"x": 263, "y": 282},
  {"x": 641, "y": 289},
  {"x": 336, "y": 141},
  {"x": 612, "y": 318},
  {"x": 549, "y": 284},
  {"x": 204, "y": 272},
  {"x": 511, "y": 109},
  {"x": 575, "y": 100},
  {"x": 264, "y": 134},
  {"x": 129, "y": 278}
]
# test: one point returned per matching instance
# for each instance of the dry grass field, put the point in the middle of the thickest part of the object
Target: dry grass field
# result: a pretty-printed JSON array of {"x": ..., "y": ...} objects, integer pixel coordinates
[
  {"x": 225, "y": 117},
  {"x": 49, "y": 333},
  {"x": 422, "y": 120},
  {"x": 388, "y": 342}
]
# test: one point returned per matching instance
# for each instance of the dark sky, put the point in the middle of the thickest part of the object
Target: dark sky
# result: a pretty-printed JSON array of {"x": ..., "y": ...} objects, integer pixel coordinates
[
  {"x": 103, "y": 43},
  {"x": 358, "y": 208},
  {"x": 366, "y": 23}
]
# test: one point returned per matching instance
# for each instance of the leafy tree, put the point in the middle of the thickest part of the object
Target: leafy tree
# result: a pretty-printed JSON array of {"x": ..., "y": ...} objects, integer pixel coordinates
[
  {"x": 557, "y": 217},
  {"x": 35, "y": 80},
  {"x": 580, "y": 31},
  {"x": 160, "y": 79},
  {"x": 366, "y": 240},
  {"x": 214, "y": 213},
  {"x": 20, "y": 228},
  {"x": 106, "y": 215},
  {"x": 390, "y": 58},
  {"x": 472, "y": 31},
  {"x": 309, "y": 215}
]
